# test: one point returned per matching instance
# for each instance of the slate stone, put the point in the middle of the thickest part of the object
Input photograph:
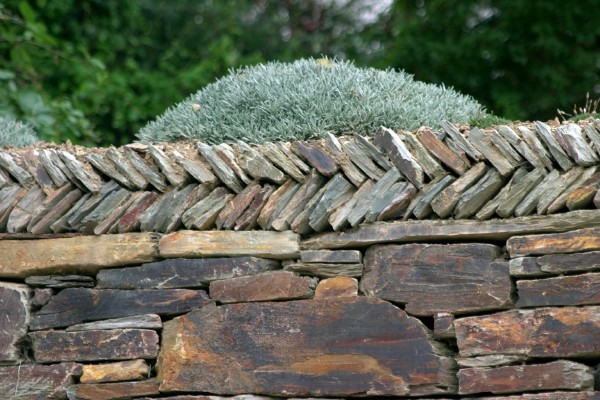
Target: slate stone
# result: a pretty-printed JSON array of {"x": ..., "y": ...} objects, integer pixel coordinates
[
  {"x": 530, "y": 202},
  {"x": 196, "y": 168},
  {"x": 55, "y": 173},
  {"x": 77, "y": 305},
  {"x": 266, "y": 286},
  {"x": 14, "y": 319},
  {"x": 392, "y": 145},
  {"x": 331, "y": 256},
  {"x": 61, "y": 225},
  {"x": 384, "y": 201},
  {"x": 60, "y": 281},
  {"x": 475, "y": 197},
  {"x": 372, "y": 151},
  {"x": 249, "y": 219},
  {"x": 75, "y": 215},
  {"x": 281, "y": 160},
  {"x": 23, "y": 210},
  {"x": 555, "y": 375},
  {"x": 286, "y": 148},
  {"x": 545, "y": 132},
  {"x": 490, "y": 208},
  {"x": 316, "y": 157},
  {"x": 429, "y": 279},
  {"x": 420, "y": 206},
  {"x": 183, "y": 273},
  {"x": 133, "y": 370},
  {"x": 256, "y": 165},
  {"x": 236, "y": 207},
  {"x": 550, "y": 396},
  {"x": 441, "y": 151},
  {"x": 583, "y": 179},
  {"x": 30, "y": 381},
  {"x": 540, "y": 333},
  {"x": 9, "y": 198},
  {"x": 350, "y": 170},
  {"x": 116, "y": 344},
  {"x": 110, "y": 222},
  {"x": 303, "y": 348},
  {"x": 339, "y": 218},
  {"x": 325, "y": 270},
  {"x": 582, "y": 197},
  {"x": 522, "y": 147},
  {"x": 220, "y": 168},
  {"x": 174, "y": 173},
  {"x": 336, "y": 287},
  {"x": 506, "y": 148},
  {"x": 150, "y": 174},
  {"x": 483, "y": 143},
  {"x": 143, "y": 321},
  {"x": 567, "y": 242},
  {"x": 41, "y": 297},
  {"x": 276, "y": 203},
  {"x": 335, "y": 193},
  {"x": 445, "y": 202},
  {"x": 114, "y": 200},
  {"x": 517, "y": 192},
  {"x": 36, "y": 169},
  {"x": 494, "y": 360},
  {"x": 202, "y": 215},
  {"x": 50, "y": 215},
  {"x": 20, "y": 174},
  {"x": 130, "y": 220},
  {"x": 83, "y": 172},
  {"x": 558, "y": 187},
  {"x": 525, "y": 267},
  {"x": 399, "y": 203},
  {"x": 461, "y": 140},
  {"x": 570, "y": 137},
  {"x": 538, "y": 148},
  {"x": 362, "y": 160},
  {"x": 227, "y": 154},
  {"x": 559, "y": 291},
  {"x": 443, "y": 325},
  {"x": 430, "y": 166},
  {"x": 49, "y": 203},
  {"x": 106, "y": 166},
  {"x": 175, "y": 204},
  {"x": 363, "y": 204},
  {"x": 561, "y": 263},
  {"x": 113, "y": 390},
  {"x": 5, "y": 179}
]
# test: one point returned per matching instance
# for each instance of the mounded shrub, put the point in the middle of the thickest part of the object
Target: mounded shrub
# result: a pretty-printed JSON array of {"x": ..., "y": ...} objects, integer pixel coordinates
[
  {"x": 16, "y": 133},
  {"x": 303, "y": 100}
]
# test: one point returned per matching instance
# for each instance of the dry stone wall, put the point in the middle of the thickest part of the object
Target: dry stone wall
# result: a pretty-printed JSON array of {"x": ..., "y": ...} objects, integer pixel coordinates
[{"x": 454, "y": 264}]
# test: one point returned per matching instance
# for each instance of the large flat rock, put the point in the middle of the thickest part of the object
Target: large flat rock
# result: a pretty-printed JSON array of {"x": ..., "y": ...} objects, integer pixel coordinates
[
  {"x": 14, "y": 319},
  {"x": 567, "y": 242},
  {"x": 85, "y": 254},
  {"x": 30, "y": 382},
  {"x": 113, "y": 390},
  {"x": 429, "y": 279},
  {"x": 560, "y": 291},
  {"x": 347, "y": 346}
]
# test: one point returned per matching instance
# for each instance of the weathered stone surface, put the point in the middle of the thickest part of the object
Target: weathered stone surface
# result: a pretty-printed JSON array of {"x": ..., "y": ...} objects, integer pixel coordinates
[
  {"x": 522, "y": 147},
  {"x": 571, "y": 139},
  {"x": 517, "y": 192},
  {"x": 350, "y": 170},
  {"x": 77, "y": 305},
  {"x": 133, "y": 370},
  {"x": 175, "y": 174},
  {"x": 363, "y": 204},
  {"x": 299, "y": 348},
  {"x": 443, "y": 325},
  {"x": 29, "y": 382},
  {"x": 591, "y": 131},
  {"x": 444, "y": 203},
  {"x": 530, "y": 202},
  {"x": 335, "y": 193},
  {"x": 130, "y": 220},
  {"x": 126, "y": 168},
  {"x": 144, "y": 321},
  {"x": 23, "y": 211},
  {"x": 560, "y": 263},
  {"x": 9, "y": 198},
  {"x": 41, "y": 297},
  {"x": 50, "y": 215},
  {"x": 281, "y": 160},
  {"x": 108, "y": 168},
  {"x": 339, "y": 218},
  {"x": 331, "y": 256},
  {"x": 372, "y": 151},
  {"x": 558, "y": 187},
  {"x": 14, "y": 319},
  {"x": 169, "y": 218},
  {"x": 490, "y": 208},
  {"x": 525, "y": 267},
  {"x": 203, "y": 214},
  {"x": 116, "y": 344},
  {"x": 550, "y": 396},
  {"x": 461, "y": 140},
  {"x": 55, "y": 173},
  {"x": 559, "y": 291},
  {"x": 113, "y": 390},
  {"x": 227, "y": 154},
  {"x": 474, "y": 198},
  {"x": 325, "y": 270},
  {"x": 36, "y": 169},
  {"x": 420, "y": 206},
  {"x": 4, "y": 179},
  {"x": 196, "y": 168},
  {"x": 538, "y": 148},
  {"x": 545, "y": 132},
  {"x": 236, "y": 207},
  {"x": 60, "y": 281},
  {"x": 398, "y": 203},
  {"x": 505, "y": 148},
  {"x": 314, "y": 182},
  {"x": 441, "y": 151},
  {"x": 72, "y": 219},
  {"x": 336, "y": 287},
  {"x": 221, "y": 169},
  {"x": 494, "y": 360},
  {"x": 567, "y": 242},
  {"x": 273, "y": 285},
  {"x": 17, "y": 172},
  {"x": 583, "y": 179},
  {"x": 113, "y": 201},
  {"x": 542, "y": 333},
  {"x": 183, "y": 273},
  {"x": 155, "y": 178},
  {"x": 526, "y": 378},
  {"x": 50, "y": 202},
  {"x": 483, "y": 143},
  {"x": 276, "y": 245},
  {"x": 89, "y": 254},
  {"x": 256, "y": 165},
  {"x": 316, "y": 157},
  {"x": 362, "y": 160},
  {"x": 429, "y": 279},
  {"x": 581, "y": 197},
  {"x": 286, "y": 148},
  {"x": 430, "y": 166},
  {"x": 58, "y": 162},
  {"x": 249, "y": 219},
  {"x": 391, "y": 144},
  {"x": 83, "y": 172},
  {"x": 383, "y": 201},
  {"x": 276, "y": 203}
]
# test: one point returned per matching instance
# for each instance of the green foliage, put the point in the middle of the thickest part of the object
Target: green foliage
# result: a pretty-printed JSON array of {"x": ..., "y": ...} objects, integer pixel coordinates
[
  {"x": 304, "y": 99},
  {"x": 487, "y": 120},
  {"x": 16, "y": 133}
]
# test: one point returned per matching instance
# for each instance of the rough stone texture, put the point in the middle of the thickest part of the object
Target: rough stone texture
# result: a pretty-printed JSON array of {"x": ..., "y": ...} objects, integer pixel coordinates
[
  {"x": 277, "y": 245},
  {"x": 303, "y": 348},
  {"x": 550, "y": 396},
  {"x": 443, "y": 204},
  {"x": 441, "y": 151},
  {"x": 143, "y": 321},
  {"x": 31, "y": 382},
  {"x": 316, "y": 157},
  {"x": 133, "y": 370},
  {"x": 60, "y": 281},
  {"x": 113, "y": 390},
  {"x": 438, "y": 278},
  {"x": 74, "y": 306},
  {"x": 525, "y": 267},
  {"x": 21, "y": 258},
  {"x": 390, "y": 143},
  {"x": 339, "y": 286},
  {"x": 116, "y": 344},
  {"x": 14, "y": 319},
  {"x": 568, "y": 242},
  {"x": 526, "y": 378},
  {"x": 559, "y": 291},
  {"x": 494, "y": 360},
  {"x": 542, "y": 333},
  {"x": 559, "y": 263},
  {"x": 273, "y": 285},
  {"x": 204, "y": 214},
  {"x": 41, "y": 297},
  {"x": 324, "y": 270},
  {"x": 331, "y": 256},
  {"x": 443, "y": 325},
  {"x": 183, "y": 273}
]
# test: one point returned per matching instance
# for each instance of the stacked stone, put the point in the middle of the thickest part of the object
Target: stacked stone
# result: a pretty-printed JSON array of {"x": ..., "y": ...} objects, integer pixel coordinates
[{"x": 306, "y": 187}]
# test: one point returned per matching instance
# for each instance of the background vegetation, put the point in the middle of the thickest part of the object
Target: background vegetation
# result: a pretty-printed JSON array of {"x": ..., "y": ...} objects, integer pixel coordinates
[{"x": 96, "y": 71}]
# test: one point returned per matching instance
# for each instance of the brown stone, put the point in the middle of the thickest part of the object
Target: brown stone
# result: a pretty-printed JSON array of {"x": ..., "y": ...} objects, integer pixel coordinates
[
  {"x": 430, "y": 279},
  {"x": 560, "y": 263},
  {"x": 130, "y": 220},
  {"x": 559, "y": 291},
  {"x": 116, "y": 344},
  {"x": 541, "y": 333},
  {"x": 525, "y": 267},
  {"x": 443, "y": 204},
  {"x": 390, "y": 143},
  {"x": 143, "y": 321},
  {"x": 276, "y": 245},
  {"x": 331, "y": 256},
  {"x": 77, "y": 305},
  {"x": 429, "y": 164},
  {"x": 133, "y": 370},
  {"x": 256, "y": 165},
  {"x": 276, "y": 202},
  {"x": 273, "y": 285},
  {"x": 441, "y": 151},
  {"x": 249, "y": 219},
  {"x": 202, "y": 215},
  {"x": 113, "y": 390},
  {"x": 316, "y": 157},
  {"x": 567, "y": 242},
  {"x": 324, "y": 270},
  {"x": 323, "y": 348},
  {"x": 41, "y": 297},
  {"x": 493, "y": 360},
  {"x": 23, "y": 211},
  {"x": 220, "y": 168},
  {"x": 526, "y": 378},
  {"x": 236, "y": 207},
  {"x": 58, "y": 210},
  {"x": 21, "y": 258},
  {"x": 14, "y": 319},
  {"x": 443, "y": 325},
  {"x": 32, "y": 382},
  {"x": 362, "y": 160},
  {"x": 549, "y": 396},
  {"x": 350, "y": 170},
  {"x": 339, "y": 286},
  {"x": 9, "y": 198},
  {"x": 461, "y": 141}
]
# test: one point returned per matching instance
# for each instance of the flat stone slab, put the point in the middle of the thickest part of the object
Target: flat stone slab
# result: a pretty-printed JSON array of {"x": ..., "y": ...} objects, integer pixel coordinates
[
  {"x": 540, "y": 333},
  {"x": 549, "y": 396},
  {"x": 303, "y": 348},
  {"x": 429, "y": 279},
  {"x": 144, "y": 321},
  {"x": 183, "y": 273},
  {"x": 276, "y": 245},
  {"x": 331, "y": 256},
  {"x": 14, "y": 319},
  {"x": 567, "y": 242},
  {"x": 339, "y": 286},
  {"x": 113, "y": 390},
  {"x": 560, "y": 291},
  {"x": 560, "y": 263},
  {"x": 325, "y": 270},
  {"x": 88, "y": 254},
  {"x": 74, "y": 306},
  {"x": 562, "y": 374},
  {"x": 116, "y": 344},
  {"x": 273, "y": 285},
  {"x": 25, "y": 382},
  {"x": 132, "y": 370}
]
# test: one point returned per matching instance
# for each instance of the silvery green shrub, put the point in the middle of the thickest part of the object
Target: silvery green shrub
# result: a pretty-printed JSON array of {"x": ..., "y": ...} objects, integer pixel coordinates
[
  {"x": 303, "y": 100},
  {"x": 16, "y": 133}
]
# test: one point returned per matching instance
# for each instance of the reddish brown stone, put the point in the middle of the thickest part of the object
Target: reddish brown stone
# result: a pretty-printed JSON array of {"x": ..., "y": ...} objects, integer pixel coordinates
[
  {"x": 33, "y": 382},
  {"x": 133, "y": 370},
  {"x": 115, "y": 344},
  {"x": 568, "y": 242},
  {"x": 130, "y": 221},
  {"x": 543, "y": 333},
  {"x": 331, "y": 256},
  {"x": 549, "y": 396},
  {"x": 339, "y": 286},
  {"x": 275, "y": 285},
  {"x": 560, "y": 291},
  {"x": 438, "y": 278},
  {"x": 559, "y": 263},
  {"x": 443, "y": 325},
  {"x": 526, "y": 378},
  {"x": 113, "y": 391},
  {"x": 316, "y": 157},
  {"x": 347, "y": 346},
  {"x": 441, "y": 151},
  {"x": 14, "y": 318}
]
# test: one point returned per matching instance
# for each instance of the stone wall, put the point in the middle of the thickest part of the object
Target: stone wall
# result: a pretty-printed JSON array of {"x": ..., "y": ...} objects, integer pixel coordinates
[{"x": 453, "y": 265}]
